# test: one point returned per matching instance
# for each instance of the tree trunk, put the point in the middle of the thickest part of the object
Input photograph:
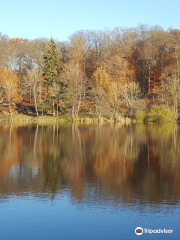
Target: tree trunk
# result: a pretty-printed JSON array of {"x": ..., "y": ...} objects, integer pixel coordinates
[
  {"x": 125, "y": 85},
  {"x": 30, "y": 95},
  {"x": 53, "y": 109},
  {"x": 73, "y": 111},
  {"x": 149, "y": 81},
  {"x": 78, "y": 107},
  {"x": 35, "y": 102},
  {"x": 57, "y": 107},
  {"x": 10, "y": 110},
  {"x": 115, "y": 114}
]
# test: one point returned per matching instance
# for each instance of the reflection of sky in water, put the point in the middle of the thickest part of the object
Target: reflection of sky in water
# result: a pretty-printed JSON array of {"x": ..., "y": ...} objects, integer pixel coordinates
[
  {"x": 15, "y": 169},
  {"x": 24, "y": 171},
  {"x": 36, "y": 218}
]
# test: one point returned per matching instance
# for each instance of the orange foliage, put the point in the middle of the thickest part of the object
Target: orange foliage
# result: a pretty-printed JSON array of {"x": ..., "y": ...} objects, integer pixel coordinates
[
  {"x": 9, "y": 82},
  {"x": 18, "y": 40},
  {"x": 10, "y": 147},
  {"x": 130, "y": 69},
  {"x": 115, "y": 67}
]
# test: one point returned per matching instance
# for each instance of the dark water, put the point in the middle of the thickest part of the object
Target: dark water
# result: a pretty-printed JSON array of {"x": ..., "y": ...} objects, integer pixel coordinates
[{"x": 89, "y": 182}]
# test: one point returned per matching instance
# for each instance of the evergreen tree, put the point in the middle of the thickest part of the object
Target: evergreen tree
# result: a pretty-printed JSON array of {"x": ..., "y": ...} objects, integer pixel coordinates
[{"x": 51, "y": 64}]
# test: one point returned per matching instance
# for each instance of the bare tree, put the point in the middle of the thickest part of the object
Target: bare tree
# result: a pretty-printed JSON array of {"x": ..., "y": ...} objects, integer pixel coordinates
[
  {"x": 75, "y": 80},
  {"x": 33, "y": 83}
]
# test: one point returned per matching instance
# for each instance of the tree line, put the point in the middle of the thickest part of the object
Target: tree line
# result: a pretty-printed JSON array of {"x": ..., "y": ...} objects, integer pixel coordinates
[{"x": 109, "y": 72}]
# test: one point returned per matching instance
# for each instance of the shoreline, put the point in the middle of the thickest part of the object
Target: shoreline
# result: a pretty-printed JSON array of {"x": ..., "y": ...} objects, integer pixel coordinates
[
  {"x": 22, "y": 118},
  {"x": 63, "y": 118}
]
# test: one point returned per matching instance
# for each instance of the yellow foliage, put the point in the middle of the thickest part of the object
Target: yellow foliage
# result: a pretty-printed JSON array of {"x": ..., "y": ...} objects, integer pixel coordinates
[
  {"x": 141, "y": 115},
  {"x": 161, "y": 113},
  {"x": 115, "y": 68},
  {"x": 101, "y": 79}
]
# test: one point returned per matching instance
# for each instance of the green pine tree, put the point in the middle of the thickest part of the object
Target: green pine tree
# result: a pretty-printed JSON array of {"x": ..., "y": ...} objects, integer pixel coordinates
[{"x": 51, "y": 64}]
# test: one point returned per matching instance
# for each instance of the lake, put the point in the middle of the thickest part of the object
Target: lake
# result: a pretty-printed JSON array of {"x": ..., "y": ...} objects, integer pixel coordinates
[{"x": 63, "y": 182}]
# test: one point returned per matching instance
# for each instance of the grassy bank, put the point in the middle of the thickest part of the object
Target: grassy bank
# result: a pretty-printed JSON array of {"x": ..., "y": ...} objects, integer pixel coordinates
[
  {"x": 154, "y": 114},
  {"x": 65, "y": 118}
]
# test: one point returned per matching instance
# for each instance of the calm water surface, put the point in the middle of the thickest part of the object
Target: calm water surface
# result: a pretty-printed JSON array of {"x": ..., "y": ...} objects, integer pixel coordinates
[{"x": 63, "y": 182}]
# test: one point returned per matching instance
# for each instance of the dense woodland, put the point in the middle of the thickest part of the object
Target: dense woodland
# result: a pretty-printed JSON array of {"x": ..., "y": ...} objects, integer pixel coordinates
[{"x": 109, "y": 72}]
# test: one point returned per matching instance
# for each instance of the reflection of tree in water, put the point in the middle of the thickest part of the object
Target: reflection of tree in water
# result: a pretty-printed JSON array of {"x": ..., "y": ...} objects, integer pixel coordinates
[
  {"x": 9, "y": 149},
  {"x": 158, "y": 164},
  {"x": 121, "y": 162},
  {"x": 52, "y": 173}
]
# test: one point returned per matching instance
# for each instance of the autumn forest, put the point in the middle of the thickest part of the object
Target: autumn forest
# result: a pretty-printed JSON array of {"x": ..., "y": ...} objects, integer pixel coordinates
[{"x": 120, "y": 72}]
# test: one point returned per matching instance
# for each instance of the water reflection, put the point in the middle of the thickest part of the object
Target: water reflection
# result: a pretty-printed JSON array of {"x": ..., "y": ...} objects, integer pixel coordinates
[{"x": 136, "y": 164}]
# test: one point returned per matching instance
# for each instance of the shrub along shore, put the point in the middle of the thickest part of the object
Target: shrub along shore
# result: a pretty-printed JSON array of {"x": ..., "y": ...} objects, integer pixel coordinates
[
  {"x": 154, "y": 114},
  {"x": 63, "y": 118}
]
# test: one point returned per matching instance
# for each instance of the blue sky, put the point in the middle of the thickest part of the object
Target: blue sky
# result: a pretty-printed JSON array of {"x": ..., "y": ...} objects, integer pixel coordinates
[{"x": 59, "y": 19}]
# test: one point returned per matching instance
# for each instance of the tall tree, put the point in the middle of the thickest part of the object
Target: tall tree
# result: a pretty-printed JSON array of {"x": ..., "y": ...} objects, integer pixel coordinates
[
  {"x": 32, "y": 82},
  {"x": 9, "y": 83},
  {"x": 51, "y": 67},
  {"x": 75, "y": 81},
  {"x": 101, "y": 82}
]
